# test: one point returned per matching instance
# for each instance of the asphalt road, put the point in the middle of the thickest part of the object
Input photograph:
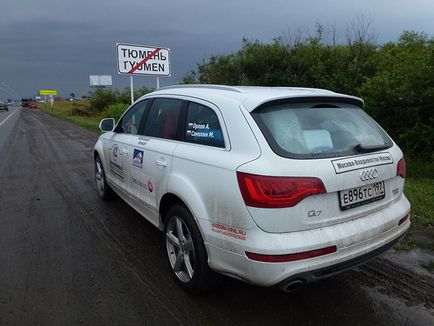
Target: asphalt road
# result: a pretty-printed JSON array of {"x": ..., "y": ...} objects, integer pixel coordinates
[
  {"x": 68, "y": 258},
  {"x": 8, "y": 120}
]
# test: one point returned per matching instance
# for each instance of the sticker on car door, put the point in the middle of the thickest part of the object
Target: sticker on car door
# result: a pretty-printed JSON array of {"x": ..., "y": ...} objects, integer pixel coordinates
[
  {"x": 138, "y": 158},
  {"x": 116, "y": 163}
]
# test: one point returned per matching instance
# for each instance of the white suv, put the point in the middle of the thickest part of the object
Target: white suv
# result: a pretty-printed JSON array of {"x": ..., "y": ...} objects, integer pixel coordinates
[{"x": 273, "y": 186}]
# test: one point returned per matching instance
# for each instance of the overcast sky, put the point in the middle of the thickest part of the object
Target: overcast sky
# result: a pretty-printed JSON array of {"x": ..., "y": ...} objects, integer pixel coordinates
[{"x": 54, "y": 44}]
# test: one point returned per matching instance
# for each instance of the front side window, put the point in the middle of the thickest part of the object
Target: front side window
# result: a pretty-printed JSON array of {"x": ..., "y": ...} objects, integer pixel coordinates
[
  {"x": 130, "y": 123},
  {"x": 202, "y": 126},
  {"x": 315, "y": 130},
  {"x": 163, "y": 118}
]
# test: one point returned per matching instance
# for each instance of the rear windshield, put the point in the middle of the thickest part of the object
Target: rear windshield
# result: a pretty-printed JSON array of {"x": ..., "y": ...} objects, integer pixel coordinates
[{"x": 319, "y": 130}]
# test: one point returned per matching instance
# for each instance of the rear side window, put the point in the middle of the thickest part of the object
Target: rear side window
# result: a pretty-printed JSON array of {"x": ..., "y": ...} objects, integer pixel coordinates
[
  {"x": 315, "y": 130},
  {"x": 163, "y": 118},
  {"x": 202, "y": 126}
]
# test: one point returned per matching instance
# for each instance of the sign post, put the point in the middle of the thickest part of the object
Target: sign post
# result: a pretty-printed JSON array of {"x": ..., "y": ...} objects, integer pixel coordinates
[
  {"x": 51, "y": 101},
  {"x": 132, "y": 89},
  {"x": 51, "y": 93},
  {"x": 142, "y": 60}
]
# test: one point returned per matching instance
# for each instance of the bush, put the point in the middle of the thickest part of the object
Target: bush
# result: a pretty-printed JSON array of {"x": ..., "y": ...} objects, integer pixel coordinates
[
  {"x": 401, "y": 94},
  {"x": 101, "y": 99},
  {"x": 418, "y": 141},
  {"x": 116, "y": 110},
  {"x": 308, "y": 63},
  {"x": 80, "y": 111}
]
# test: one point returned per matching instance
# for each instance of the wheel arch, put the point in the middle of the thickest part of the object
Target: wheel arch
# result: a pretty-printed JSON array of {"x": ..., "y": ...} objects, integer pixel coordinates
[
  {"x": 97, "y": 150},
  {"x": 168, "y": 200},
  {"x": 180, "y": 191}
]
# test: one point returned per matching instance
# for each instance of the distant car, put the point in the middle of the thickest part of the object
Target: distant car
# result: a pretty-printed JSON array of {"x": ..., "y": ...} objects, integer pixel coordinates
[
  {"x": 25, "y": 102},
  {"x": 4, "y": 107},
  {"x": 273, "y": 186},
  {"x": 33, "y": 105}
]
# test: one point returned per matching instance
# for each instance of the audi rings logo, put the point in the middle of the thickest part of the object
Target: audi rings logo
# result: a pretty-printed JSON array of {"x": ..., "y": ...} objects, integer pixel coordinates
[{"x": 367, "y": 175}]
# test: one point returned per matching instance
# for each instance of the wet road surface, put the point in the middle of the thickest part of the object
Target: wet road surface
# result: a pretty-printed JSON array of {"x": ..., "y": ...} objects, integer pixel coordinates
[
  {"x": 68, "y": 258},
  {"x": 7, "y": 122}
]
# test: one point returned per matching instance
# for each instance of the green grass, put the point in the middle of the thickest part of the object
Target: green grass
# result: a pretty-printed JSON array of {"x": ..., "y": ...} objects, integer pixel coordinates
[
  {"x": 419, "y": 189},
  {"x": 420, "y": 193},
  {"x": 429, "y": 266},
  {"x": 63, "y": 110}
]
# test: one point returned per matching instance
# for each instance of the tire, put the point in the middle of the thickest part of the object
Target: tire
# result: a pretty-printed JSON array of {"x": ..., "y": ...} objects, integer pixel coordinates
[
  {"x": 103, "y": 189},
  {"x": 186, "y": 252}
]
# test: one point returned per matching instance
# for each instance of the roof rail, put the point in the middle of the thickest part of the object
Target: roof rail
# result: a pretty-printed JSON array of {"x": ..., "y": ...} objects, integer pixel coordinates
[{"x": 207, "y": 86}]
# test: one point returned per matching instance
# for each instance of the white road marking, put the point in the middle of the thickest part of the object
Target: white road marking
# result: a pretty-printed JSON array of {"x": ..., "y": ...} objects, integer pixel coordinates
[{"x": 10, "y": 115}]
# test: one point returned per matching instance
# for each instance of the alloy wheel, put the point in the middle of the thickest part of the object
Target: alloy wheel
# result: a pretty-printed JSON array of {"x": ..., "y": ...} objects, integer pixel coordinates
[{"x": 180, "y": 249}]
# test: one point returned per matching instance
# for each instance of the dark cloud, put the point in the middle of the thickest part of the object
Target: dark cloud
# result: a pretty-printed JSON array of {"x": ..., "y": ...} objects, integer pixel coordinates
[{"x": 52, "y": 44}]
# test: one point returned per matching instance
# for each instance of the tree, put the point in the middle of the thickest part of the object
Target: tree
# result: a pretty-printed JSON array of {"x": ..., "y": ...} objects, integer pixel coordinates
[
  {"x": 294, "y": 60},
  {"x": 401, "y": 94}
]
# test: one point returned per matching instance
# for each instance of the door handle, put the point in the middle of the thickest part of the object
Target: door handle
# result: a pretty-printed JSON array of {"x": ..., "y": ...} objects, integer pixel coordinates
[{"x": 161, "y": 163}]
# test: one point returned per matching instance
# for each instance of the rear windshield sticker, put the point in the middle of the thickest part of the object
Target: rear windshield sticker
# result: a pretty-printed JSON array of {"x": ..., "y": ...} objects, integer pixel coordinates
[
  {"x": 138, "y": 158},
  {"x": 361, "y": 162}
]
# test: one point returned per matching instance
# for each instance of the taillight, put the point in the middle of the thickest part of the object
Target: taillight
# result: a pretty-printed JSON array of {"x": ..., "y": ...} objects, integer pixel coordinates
[
  {"x": 276, "y": 192},
  {"x": 401, "y": 169},
  {"x": 291, "y": 257}
]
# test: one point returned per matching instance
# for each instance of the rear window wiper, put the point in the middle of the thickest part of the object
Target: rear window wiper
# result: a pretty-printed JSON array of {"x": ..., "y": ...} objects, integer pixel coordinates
[{"x": 368, "y": 149}]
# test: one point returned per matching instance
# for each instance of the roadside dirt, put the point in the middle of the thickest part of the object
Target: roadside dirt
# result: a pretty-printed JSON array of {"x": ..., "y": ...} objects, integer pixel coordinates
[{"x": 397, "y": 279}]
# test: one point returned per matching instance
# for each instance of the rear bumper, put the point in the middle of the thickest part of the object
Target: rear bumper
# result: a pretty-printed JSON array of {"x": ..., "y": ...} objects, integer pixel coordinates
[
  {"x": 322, "y": 273},
  {"x": 356, "y": 241}
]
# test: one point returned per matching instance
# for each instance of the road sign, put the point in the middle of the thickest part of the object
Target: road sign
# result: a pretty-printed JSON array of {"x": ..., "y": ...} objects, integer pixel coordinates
[
  {"x": 47, "y": 92},
  {"x": 142, "y": 60}
]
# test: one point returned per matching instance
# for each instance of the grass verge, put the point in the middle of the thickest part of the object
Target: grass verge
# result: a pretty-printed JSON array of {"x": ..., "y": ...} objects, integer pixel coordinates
[
  {"x": 429, "y": 266},
  {"x": 77, "y": 112},
  {"x": 419, "y": 189}
]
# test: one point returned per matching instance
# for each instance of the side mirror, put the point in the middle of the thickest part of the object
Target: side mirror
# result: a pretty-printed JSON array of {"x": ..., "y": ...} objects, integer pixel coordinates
[{"x": 107, "y": 124}]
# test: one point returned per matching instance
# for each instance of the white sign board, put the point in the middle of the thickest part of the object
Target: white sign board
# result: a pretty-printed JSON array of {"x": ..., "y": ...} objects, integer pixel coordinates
[
  {"x": 100, "y": 80},
  {"x": 142, "y": 60}
]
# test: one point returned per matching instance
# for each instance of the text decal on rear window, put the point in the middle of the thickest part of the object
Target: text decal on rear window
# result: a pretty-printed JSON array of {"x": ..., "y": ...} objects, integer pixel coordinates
[{"x": 361, "y": 162}]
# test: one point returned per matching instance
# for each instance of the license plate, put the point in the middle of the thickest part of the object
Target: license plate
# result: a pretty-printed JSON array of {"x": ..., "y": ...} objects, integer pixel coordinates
[{"x": 351, "y": 198}]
